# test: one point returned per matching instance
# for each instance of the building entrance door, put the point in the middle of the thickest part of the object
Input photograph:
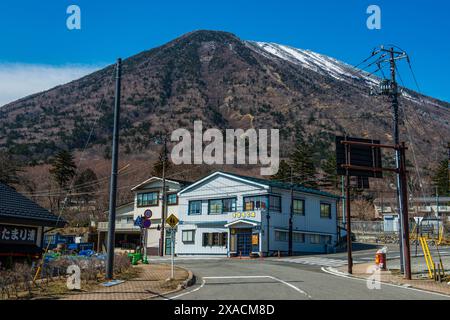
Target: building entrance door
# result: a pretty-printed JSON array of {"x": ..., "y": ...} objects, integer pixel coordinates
[
  {"x": 244, "y": 243},
  {"x": 168, "y": 238}
]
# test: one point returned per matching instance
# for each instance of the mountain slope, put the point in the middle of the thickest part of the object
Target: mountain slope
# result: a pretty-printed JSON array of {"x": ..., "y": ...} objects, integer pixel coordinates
[{"x": 228, "y": 83}]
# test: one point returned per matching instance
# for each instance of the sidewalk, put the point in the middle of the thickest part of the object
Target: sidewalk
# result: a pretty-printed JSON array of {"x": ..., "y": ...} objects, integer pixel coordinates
[
  {"x": 362, "y": 270},
  {"x": 149, "y": 283}
]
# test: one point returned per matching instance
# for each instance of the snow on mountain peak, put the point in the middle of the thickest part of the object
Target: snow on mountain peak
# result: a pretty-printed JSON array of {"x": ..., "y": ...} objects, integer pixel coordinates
[{"x": 314, "y": 61}]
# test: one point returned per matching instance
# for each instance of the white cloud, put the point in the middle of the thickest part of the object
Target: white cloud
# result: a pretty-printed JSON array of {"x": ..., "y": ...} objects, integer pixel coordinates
[{"x": 18, "y": 80}]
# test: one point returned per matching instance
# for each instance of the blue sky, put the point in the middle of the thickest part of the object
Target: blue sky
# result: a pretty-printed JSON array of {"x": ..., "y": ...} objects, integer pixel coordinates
[{"x": 34, "y": 34}]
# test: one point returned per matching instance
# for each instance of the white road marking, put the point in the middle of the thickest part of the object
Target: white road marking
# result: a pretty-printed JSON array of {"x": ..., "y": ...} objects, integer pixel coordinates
[
  {"x": 318, "y": 261},
  {"x": 338, "y": 273},
  {"x": 185, "y": 293},
  {"x": 258, "y": 277}
]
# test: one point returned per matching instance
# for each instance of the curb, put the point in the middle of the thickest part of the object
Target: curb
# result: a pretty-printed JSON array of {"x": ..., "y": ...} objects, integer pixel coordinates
[
  {"x": 190, "y": 281},
  {"x": 339, "y": 273}
]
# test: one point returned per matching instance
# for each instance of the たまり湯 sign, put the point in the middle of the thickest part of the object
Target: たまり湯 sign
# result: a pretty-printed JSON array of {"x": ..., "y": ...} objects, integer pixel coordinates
[{"x": 17, "y": 234}]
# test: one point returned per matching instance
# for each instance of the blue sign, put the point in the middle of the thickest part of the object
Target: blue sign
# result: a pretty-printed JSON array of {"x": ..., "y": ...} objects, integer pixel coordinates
[{"x": 138, "y": 222}]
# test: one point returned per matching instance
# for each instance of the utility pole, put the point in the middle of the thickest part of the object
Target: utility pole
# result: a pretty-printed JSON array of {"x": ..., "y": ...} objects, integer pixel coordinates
[
  {"x": 291, "y": 215},
  {"x": 400, "y": 166},
  {"x": 163, "y": 204},
  {"x": 391, "y": 89},
  {"x": 113, "y": 186},
  {"x": 405, "y": 214},
  {"x": 394, "y": 96},
  {"x": 448, "y": 165},
  {"x": 437, "y": 202},
  {"x": 343, "y": 199},
  {"x": 348, "y": 223}
]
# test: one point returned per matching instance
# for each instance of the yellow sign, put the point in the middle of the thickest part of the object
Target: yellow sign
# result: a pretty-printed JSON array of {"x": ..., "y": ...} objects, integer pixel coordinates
[
  {"x": 172, "y": 221},
  {"x": 255, "y": 239},
  {"x": 244, "y": 215}
]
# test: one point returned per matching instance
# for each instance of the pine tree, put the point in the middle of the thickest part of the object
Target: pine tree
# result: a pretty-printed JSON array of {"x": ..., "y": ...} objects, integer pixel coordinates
[
  {"x": 9, "y": 169},
  {"x": 63, "y": 168},
  {"x": 62, "y": 171},
  {"x": 329, "y": 168},
  {"x": 302, "y": 163},
  {"x": 441, "y": 178},
  {"x": 284, "y": 172}
]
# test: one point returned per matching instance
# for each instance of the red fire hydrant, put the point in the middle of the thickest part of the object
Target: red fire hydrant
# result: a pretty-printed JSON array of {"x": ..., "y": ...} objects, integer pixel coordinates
[{"x": 380, "y": 260}]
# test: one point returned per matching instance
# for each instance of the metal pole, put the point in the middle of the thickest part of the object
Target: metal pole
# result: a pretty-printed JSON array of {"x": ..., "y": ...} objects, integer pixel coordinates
[
  {"x": 113, "y": 187},
  {"x": 405, "y": 235},
  {"x": 172, "y": 254},
  {"x": 144, "y": 242},
  {"x": 163, "y": 205},
  {"x": 448, "y": 166},
  {"x": 291, "y": 216},
  {"x": 437, "y": 202},
  {"x": 349, "y": 227},
  {"x": 343, "y": 199},
  {"x": 394, "y": 95}
]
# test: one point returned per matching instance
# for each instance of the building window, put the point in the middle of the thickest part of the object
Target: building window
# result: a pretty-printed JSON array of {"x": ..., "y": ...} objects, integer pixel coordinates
[
  {"x": 275, "y": 203},
  {"x": 281, "y": 236},
  {"x": 215, "y": 239},
  {"x": 314, "y": 238},
  {"x": 215, "y": 206},
  {"x": 195, "y": 207},
  {"x": 325, "y": 210},
  {"x": 147, "y": 199},
  {"x": 219, "y": 206},
  {"x": 188, "y": 236},
  {"x": 229, "y": 205},
  {"x": 326, "y": 239},
  {"x": 298, "y": 206},
  {"x": 255, "y": 203},
  {"x": 298, "y": 237},
  {"x": 172, "y": 199}
]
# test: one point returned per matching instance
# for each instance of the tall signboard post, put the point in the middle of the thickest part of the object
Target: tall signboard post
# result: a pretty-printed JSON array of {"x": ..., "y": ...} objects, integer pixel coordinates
[{"x": 362, "y": 158}]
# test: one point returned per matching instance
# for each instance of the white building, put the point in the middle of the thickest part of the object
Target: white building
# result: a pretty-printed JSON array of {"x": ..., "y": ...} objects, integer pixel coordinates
[
  {"x": 227, "y": 214},
  {"x": 434, "y": 208},
  {"x": 147, "y": 195}
]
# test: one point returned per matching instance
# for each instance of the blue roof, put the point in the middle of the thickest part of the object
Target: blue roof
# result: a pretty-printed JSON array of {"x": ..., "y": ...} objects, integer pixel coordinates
[{"x": 17, "y": 207}]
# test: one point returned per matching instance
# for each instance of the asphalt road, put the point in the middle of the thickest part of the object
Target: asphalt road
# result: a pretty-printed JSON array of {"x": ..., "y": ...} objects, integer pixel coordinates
[{"x": 260, "y": 279}]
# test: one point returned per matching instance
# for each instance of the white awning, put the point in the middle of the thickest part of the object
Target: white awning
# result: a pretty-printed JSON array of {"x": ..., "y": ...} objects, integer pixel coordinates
[{"x": 241, "y": 221}]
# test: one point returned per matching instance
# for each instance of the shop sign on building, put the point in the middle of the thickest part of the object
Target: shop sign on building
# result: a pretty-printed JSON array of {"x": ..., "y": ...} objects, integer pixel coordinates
[{"x": 17, "y": 234}]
